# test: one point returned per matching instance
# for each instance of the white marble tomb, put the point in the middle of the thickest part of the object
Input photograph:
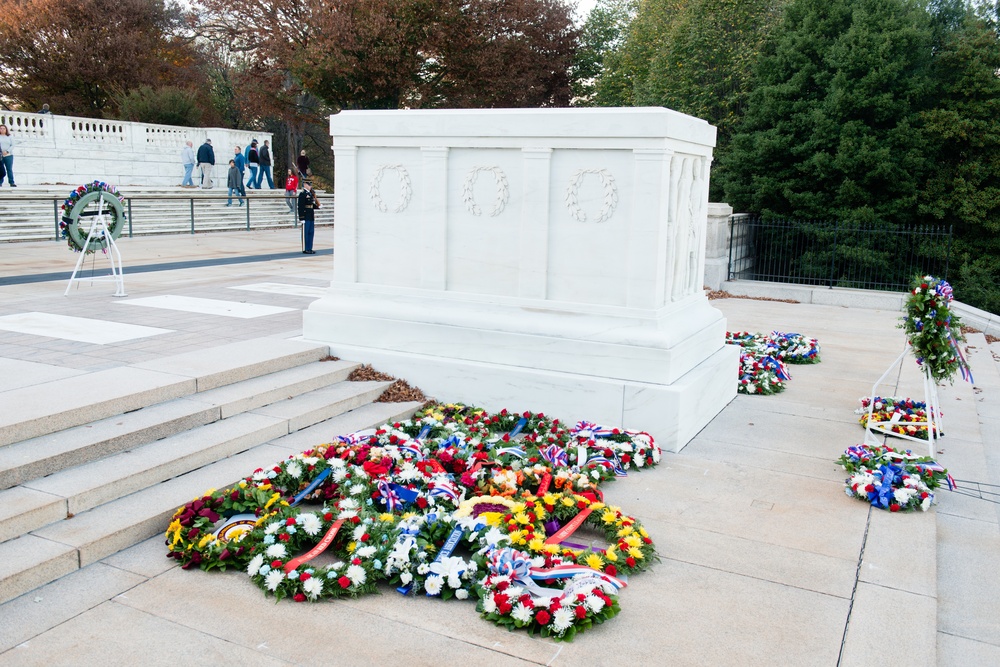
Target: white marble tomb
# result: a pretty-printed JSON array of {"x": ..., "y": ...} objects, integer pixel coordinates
[{"x": 542, "y": 259}]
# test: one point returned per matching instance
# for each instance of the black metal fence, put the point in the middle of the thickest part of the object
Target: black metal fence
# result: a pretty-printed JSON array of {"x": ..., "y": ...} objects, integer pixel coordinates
[{"x": 836, "y": 254}]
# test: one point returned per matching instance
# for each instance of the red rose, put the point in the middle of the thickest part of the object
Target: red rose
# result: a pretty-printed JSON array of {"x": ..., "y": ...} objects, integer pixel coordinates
[
  {"x": 543, "y": 617},
  {"x": 344, "y": 582},
  {"x": 356, "y": 561},
  {"x": 581, "y": 612},
  {"x": 299, "y": 597},
  {"x": 365, "y": 537}
]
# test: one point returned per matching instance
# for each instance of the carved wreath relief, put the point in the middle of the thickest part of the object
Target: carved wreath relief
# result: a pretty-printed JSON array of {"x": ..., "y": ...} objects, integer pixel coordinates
[
  {"x": 469, "y": 196},
  {"x": 405, "y": 189},
  {"x": 610, "y": 195}
]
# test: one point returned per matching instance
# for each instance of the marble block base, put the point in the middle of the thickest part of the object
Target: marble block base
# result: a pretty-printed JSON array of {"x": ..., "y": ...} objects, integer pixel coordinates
[{"x": 673, "y": 413}]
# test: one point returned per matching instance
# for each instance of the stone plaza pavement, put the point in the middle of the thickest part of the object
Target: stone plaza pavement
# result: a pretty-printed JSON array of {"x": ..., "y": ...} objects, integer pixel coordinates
[{"x": 765, "y": 560}]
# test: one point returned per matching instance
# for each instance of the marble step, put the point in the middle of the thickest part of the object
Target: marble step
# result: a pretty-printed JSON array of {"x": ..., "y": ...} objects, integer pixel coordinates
[
  {"x": 41, "y": 501},
  {"x": 40, "y": 409},
  {"x": 59, "y": 548},
  {"x": 37, "y": 457}
]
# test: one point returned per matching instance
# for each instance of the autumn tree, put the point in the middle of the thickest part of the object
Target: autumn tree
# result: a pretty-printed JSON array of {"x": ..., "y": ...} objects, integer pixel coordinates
[{"x": 78, "y": 55}]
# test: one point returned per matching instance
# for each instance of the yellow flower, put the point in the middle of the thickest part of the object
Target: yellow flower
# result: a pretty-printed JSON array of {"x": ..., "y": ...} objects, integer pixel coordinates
[
  {"x": 386, "y": 517},
  {"x": 491, "y": 518},
  {"x": 540, "y": 513},
  {"x": 273, "y": 499},
  {"x": 537, "y": 544},
  {"x": 408, "y": 515},
  {"x": 430, "y": 548},
  {"x": 549, "y": 499},
  {"x": 627, "y": 530},
  {"x": 208, "y": 537},
  {"x": 608, "y": 516},
  {"x": 596, "y": 506},
  {"x": 521, "y": 518},
  {"x": 243, "y": 484},
  {"x": 635, "y": 552},
  {"x": 568, "y": 502},
  {"x": 610, "y": 555},
  {"x": 595, "y": 561},
  {"x": 518, "y": 537},
  {"x": 351, "y": 547},
  {"x": 642, "y": 531},
  {"x": 633, "y": 540}
]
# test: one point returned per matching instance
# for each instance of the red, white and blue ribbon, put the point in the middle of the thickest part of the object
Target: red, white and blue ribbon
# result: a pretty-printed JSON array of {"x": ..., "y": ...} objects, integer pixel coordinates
[
  {"x": 517, "y": 565},
  {"x": 609, "y": 464},
  {"x": 513, "y": 451},
  {"x": 395, "y": 496},
  {"x": 443, "y": 488},
  {"x": 357, "y": 438},
  {"x": 555, "y": 456},
  {"x": 590, "y": 430},
  {"x": 301, "y": 495}
]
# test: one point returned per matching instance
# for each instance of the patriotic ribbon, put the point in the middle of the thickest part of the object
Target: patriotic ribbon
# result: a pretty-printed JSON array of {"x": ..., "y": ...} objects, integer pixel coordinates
[
  {"x": 963, "y": 365},
  {"x": 779, "y": 368},
  {"x": 609, "y": 464},
  {"x": 312, "y": 487},
  {"x": 516, "y": 565},
  {"x": 412, "y": 448},
  {"x": 357, "y": 438},
  {"x": 555, "y": 456},
  {"x": 394, "y": 495},
  {"x": 454, "y": 440},
  {"x": 323, "y": 545},
  {"x": 406, "y": 540},
  {"x": 513, "y": 451},
  {"x": 521, "y": 423},
  {"x": 424, "y": 431},
  {"x": 590, "y": 430},
  {"x": 444, "y": 488},
  {"x": 449, "y": 547}
]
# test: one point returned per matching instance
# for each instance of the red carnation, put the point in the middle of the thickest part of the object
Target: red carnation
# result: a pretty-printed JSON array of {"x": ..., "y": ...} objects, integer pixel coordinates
[
  {"x": 284, "y": 537},
  {"x": 504, "y": 608},
  {"x": 894, "y": 507},
  {"x": 421, "y": 502},
  {"x": 275, "y": 564},
  {"x": 290, "y": 521},
  {"x": 543, "y": 617},
  {"x": 610, "y": 569},
  {"x": 356, "y": 561},
  {"x": 630, "y": 561},
  {"x": 328, "y": 516},
  {"x": 305, "y": 576},
  {"x": 355, "y": 519},
  {"x": 581, "y": 612},
  {"x": 344, "y": 582},
  {"x": 299, "y": 597}
]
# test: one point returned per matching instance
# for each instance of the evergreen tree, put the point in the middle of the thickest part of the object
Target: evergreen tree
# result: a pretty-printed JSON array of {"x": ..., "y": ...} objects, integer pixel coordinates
[{"x": 832, "y": 127}]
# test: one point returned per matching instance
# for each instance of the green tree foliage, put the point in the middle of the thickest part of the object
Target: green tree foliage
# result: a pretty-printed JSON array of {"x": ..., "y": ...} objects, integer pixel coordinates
[
  {"x": 168, "y": 106},
  {"x": 603, "y": 34},
  {"x": 80, "y": 56},
  {"x": 832, "y": 127}
]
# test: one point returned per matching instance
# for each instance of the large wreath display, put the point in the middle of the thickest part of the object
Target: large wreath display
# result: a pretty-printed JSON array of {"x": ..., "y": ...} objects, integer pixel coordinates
[
  {"x": 456, "y": 503},
  {"x": 99, "y": 197}
]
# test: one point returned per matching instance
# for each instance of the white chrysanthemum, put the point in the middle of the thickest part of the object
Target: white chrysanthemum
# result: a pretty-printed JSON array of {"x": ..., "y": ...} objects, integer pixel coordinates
[
  {"x": 310, "y": 523},
  {"x": 254, "y": 566},
  {"x": 594, "y": 603},
  {"x": 423, "y": 569},
  {"x": 365, "y": 552},
  {"x": 406, "y": 578},
  {"x": 359, "y": 531},
  {"x": 639, "y": 461},
  {"x": 339, "y": 475},
  {"x": 494, "y": 536},
  {"x": 489, "y": 606},
  {"x": 348, "y": 504},
  {"x": 274, "y": 579},
  {"x": 294, "y": 469},
  {"x": 273, "y": 527},
  {"x": 461, "y": 594},
  {"x": 903, "y": 495},
  {"x": 356, "y": 574},
  {"x": 514, "y": 592},
  {"x": 310, "y": 460},
  {"x": 313, "y": 587},
  {"x": 433, "y": 584},
  {"x": 357, "y": 489},
  {"x": 926, "y": 503},
  {"x": 276, "y": 551},
  {"x": 522, "y": 613},
  {"x": 563, "y": 618}
]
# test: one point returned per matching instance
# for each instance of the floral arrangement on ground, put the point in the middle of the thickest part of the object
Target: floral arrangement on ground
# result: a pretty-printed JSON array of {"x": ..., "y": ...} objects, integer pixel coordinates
[
  {"x": 933, "y": 331},
  {"x": 763, "y": 359},
  {"x": 69, "y": 225},
  {"x": 892, "y": 479},
  {"x": 456, "y": 503},
  {"x": 902, "y": 416}
]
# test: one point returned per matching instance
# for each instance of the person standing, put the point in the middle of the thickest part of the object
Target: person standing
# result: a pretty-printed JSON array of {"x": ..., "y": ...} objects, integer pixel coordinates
[
  {"x": 253, "y": 161},
  {"x": 241, "y": 165},
  {"x": 291, "y": 187},
  {"x": 7, "y": 155},
  {"x": 302, "y": 162},
  {"x": 187, "y": 159},
  {"x": 307, "y": 211},
  {"x": 265, "y": 166},
  {"x": 206, "y": 161},
  {"x": 234, "y": 182}
]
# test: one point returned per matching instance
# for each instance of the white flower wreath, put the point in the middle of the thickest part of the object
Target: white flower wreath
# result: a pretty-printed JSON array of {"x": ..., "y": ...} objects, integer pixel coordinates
[
  {"x": 610, "y": 195},
  {"x": 405, "y": 190},
  {"x": 469, "y": 196}
]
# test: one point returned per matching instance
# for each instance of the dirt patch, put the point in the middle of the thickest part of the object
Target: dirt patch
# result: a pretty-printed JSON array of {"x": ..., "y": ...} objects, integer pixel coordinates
[{"x": 721, "y": 294}]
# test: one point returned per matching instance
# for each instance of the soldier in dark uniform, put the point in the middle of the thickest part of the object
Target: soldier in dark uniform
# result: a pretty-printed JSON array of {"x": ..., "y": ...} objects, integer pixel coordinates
[{"x": 308, "y": 203}]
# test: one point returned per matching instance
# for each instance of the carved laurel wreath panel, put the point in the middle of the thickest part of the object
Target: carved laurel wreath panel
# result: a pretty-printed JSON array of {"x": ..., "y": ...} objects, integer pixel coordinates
[
  {"x": 405, "y": 189},
  {"x": 502, "y": 196},
  {"x": 610, "y": 195}
]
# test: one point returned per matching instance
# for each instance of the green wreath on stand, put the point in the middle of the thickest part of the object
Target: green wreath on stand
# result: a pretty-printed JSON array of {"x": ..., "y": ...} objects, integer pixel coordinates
[{"x": 79, "y": 209}]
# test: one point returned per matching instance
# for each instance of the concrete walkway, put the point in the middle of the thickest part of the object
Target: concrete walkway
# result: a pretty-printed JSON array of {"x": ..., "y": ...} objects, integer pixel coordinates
[{"x": 765, "y": 561}]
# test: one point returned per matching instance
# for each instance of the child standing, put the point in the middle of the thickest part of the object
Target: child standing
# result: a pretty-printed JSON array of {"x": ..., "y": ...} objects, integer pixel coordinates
[{"x": 234, "y": 183}]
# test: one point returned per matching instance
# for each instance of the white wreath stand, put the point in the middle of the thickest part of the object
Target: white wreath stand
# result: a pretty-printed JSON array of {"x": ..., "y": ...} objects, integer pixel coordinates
[
  {"x": 99, "y": 229},
  {"x": 933, "y": 423}
]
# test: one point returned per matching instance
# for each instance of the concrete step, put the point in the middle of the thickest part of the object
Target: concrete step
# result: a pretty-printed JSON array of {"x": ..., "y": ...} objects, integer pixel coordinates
[
  {"x": 31, "y": 412},
  {"x": 61, "y": 547}
]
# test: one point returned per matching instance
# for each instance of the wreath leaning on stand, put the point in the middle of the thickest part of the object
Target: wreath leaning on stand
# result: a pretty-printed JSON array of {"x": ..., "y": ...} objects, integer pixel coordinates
[
  {"x": 99, "y": 196},
  {"x": 933, "y": 331}
]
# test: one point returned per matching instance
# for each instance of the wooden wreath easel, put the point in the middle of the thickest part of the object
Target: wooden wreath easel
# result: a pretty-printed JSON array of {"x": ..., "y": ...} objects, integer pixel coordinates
[
  {"x": 933, "y": 422},
  {"x": 99, "y": 229}
]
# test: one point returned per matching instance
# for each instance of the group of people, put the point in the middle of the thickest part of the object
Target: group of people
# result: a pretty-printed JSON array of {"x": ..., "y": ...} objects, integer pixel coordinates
[{"x": 258, "y": 162}]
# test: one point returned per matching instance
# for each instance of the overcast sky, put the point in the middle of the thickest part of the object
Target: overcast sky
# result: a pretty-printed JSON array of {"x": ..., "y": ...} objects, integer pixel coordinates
[{"x": 584, "y": 7}]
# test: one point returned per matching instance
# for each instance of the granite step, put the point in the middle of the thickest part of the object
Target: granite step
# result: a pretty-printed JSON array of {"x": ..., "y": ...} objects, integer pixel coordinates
[
  {"x": 49, "y": 407},
  {"x": 51, "y": 453},
  {"x": 54, "y": 550}
]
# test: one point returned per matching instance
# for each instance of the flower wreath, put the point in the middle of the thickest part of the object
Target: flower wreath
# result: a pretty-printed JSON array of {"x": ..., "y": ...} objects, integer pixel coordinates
[
  {"x": 891, "y": 479},
  {"x": 107, "y": 197},
  {"x": 761, "y": 375},
  {"x": 360, "y": 540},
  {"x": 511, "y": 598},
  {"x": 618, "y": 449},
  {"x": 933, "y": 331},
  {"x": 794, "y": 348},
  {"x": 195, "y": 535},
  {"x": 423, "y": 560},
  {"x": 898, "y": 412}
]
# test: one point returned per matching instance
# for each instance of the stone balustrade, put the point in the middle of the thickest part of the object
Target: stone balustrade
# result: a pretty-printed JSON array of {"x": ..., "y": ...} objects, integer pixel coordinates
[{"x": 51, "y": 149}]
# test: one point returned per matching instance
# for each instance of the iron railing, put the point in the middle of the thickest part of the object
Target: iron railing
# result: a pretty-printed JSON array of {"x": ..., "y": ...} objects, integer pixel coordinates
[{"x": 836, "y": 254}]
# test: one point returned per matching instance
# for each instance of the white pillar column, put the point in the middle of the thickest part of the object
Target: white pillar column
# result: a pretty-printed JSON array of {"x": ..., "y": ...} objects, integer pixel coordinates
[
  {"x": 647, "y": 230},
  {"x": 434, "y": 218},
  {"x": 345, "y": 232},
  {"x": 534, "y": 247}
]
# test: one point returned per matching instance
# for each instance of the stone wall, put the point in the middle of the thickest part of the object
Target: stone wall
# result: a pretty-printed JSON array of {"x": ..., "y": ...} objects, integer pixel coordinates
[{"x": 52, "y": 149}]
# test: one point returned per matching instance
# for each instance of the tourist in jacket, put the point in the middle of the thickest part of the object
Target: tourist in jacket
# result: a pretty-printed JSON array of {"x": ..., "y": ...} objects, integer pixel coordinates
[
  {"x": 265, "y": 165},
  {"x": 187, "y": 159},
  {"x": 253, "y": 162},
  {"x": 241, "y": 165},
  {"x": 234, "y": 182},
  {"x": 206, "y": 161},
  {"x": 7, "y": 155},
  {"x": 302, "y": 162},
  {"x": 291, "y": 187}
]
